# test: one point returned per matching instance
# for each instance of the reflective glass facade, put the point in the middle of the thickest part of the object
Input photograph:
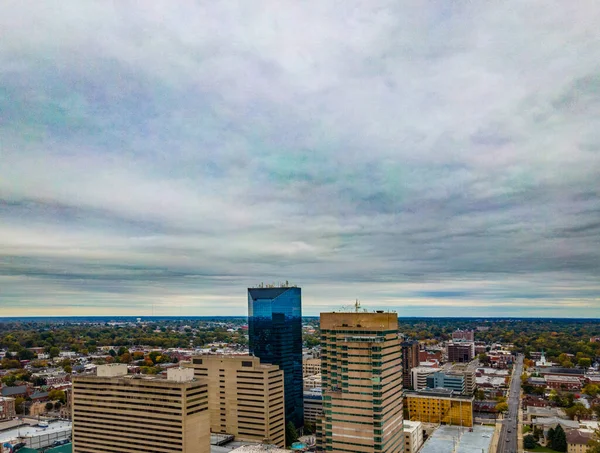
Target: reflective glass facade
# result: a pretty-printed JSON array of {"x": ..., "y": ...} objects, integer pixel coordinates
[{"x": 275, "y": 336}]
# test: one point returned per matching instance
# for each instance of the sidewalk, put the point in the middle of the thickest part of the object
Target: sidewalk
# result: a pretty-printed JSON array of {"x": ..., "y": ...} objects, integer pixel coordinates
[{"x": 496, "y": 436}]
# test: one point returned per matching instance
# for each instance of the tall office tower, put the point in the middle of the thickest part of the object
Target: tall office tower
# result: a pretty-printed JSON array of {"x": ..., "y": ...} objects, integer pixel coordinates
[
  {"x": 362, "y": 383},
  {"x": 275, "y": 331},
  {"x": 245, "y": 397},
  {"x": 119, "y": 413},
  {"x": 410, "y": 360},
  {"x": 462, "y": 352}
]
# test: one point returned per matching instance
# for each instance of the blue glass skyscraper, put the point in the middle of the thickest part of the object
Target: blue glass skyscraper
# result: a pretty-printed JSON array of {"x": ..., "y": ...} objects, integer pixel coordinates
[{"x": 275, "y": 336}]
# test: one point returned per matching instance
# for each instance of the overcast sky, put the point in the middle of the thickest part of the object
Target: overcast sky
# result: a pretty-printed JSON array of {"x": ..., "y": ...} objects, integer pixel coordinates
[{"x": 438, "y": 158}]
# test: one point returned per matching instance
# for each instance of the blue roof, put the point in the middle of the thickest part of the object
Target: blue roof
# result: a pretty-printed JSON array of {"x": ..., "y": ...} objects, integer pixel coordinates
[{"x": 16, "y": 390}]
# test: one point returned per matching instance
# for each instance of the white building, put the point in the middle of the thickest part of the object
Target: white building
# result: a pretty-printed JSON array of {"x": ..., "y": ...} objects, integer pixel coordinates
[
  {"x": 419, "y": 376},
  {"x": 413, "y": 436}
]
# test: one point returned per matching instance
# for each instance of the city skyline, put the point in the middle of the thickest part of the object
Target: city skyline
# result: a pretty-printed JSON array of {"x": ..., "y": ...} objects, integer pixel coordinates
[{"x": 435, "y": 159}]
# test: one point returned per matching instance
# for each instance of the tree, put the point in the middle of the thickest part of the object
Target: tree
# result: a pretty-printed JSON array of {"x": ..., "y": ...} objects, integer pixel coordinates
[
  {"x": 39, "y": 381},
  {"x": 54, "y": 351},
  {"x": 578, "y": 411},
  {"x": 550, "y": 436},
  {"x": 529, "y": 441},
  {"x": 57, "y": 405},
  {"x": 49, "y": 406},
  {"x": 502, "y": 407},
  {"x": 126, "y": 358},
  {"x": 19, "y": 400},
  {"x": 122, "y": 350},
  {"x": 68, "y": 369},
  {"x": 479, "y": 395},
  {"x": 559, "y": 441},
  {"x": 591, "y": 390},
  {"x": 112, "y": 353},
  {"x": 26, "y": 354},
  {"x": 57, "y": 395},
  {"x": 594, "y": 443},
  {"x": 584, "y": 362},
  {"x": 291, "y": 435}
]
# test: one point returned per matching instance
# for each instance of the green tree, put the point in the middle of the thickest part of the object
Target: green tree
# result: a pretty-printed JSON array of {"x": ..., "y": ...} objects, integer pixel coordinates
[
  {"x": 68, "y": 369},
  {"x": 529, "y": 442},
  {"x": 591, "y": 390},
  {"x": 122, "y": 350},
  {"x": 57, "y": 395},
  {"x": 502, "y": 407},
  {"x": 19, "y": 400},
  {"x": 57, "y": 405},
  {"x": 112, "y": 353},
  {"x": 26, "y": 354},
  {"x": 559, "y": 441},
  {"x": 578, "y": 411},
  {"x": 49, "y": 406},
  {"x": 479, "y": 395},
  {"x": 550, "y": 436},
  {"x": 594, "y": 443},
  {"x": 54, "y": 352},
  {"x": 584, "y": 362},
  {"x": 291, "y": 435}
]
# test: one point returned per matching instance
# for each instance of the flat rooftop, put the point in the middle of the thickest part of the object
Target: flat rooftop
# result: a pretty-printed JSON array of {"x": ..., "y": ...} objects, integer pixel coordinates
[
  {"x": 33, "y": 431},
  {"x": 445, "y": 438}
]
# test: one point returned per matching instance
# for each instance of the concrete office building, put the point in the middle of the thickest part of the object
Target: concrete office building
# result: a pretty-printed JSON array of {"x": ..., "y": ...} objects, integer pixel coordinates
[
  {"x": 460, "y": 352},
  {"x": 119, "y": 413},
  {"x": 245, "y": 397},
  {"x": 310, "y": 367},
  {"x": 313, "y": 405},
  {"x": 410, "y": 360},
  {"x": 439, "y": 406},
  {"x": 413, "y": 436},
  {"x": 455, "y": 382},
  {"x": 419, "y": 376},
  {"x": 362, "y": 383},
  {"x": 275, "y": 336}
]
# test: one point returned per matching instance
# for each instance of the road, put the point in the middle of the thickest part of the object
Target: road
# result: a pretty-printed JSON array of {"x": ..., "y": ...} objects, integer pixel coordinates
[{"x": 508, "y": 440}]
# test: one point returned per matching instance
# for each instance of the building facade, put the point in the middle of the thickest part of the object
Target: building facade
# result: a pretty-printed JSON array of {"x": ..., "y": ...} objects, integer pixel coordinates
[
  {"x": 7, "y": 408},
  {"x": 448, "y": 381},
  {"x": 119, "y": 413},
  {"x": 413, "y": 436},
  {"x": 245, "y": 397},
  {"x": 410, "y": 360},
  {"x": 463, "y": 335},
  {"x": 310, "y": 367},
  {"x": 419, "y": 377},
  {"x": 362, "y": 383},
  {"x": 275, "y": 336},
  {"x": 439, "y": 406},
  {"x": 313, "y": 405},
  {"x": 460, "y": 352}
]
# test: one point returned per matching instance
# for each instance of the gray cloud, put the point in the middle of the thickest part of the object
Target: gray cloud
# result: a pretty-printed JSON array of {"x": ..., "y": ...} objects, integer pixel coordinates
[{"x": 416, "y": 156}]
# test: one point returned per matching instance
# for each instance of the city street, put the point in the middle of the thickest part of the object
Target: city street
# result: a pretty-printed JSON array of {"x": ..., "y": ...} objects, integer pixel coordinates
[{"x": 508, "y": 435}]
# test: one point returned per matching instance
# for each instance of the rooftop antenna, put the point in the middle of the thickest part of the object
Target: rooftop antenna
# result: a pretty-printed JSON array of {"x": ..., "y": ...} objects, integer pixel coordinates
[{"x": 356, "y": 306}]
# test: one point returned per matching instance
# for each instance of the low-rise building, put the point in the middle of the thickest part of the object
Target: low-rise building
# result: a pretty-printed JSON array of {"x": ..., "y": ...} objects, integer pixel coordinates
[
  {"x": 413, "y": 436},
  {"x": 439, "y": 406},
  {"x": 563, "y": 382},
  {"x": 577, "y": 441}
]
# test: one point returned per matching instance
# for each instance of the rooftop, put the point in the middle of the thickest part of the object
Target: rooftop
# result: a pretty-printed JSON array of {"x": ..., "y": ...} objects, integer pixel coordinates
[{"x": 445, "y": 438}]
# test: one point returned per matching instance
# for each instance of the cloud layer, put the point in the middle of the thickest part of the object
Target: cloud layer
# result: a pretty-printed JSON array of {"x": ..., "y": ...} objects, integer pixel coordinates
[{"x": 437, "y": 158}]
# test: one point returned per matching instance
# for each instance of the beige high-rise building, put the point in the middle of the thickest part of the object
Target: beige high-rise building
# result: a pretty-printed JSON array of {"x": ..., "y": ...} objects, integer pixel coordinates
[
  {"x": 118, "y": 413},
  {"x": 362, "y": 383},
  {"x": 245, "y": 397}
]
